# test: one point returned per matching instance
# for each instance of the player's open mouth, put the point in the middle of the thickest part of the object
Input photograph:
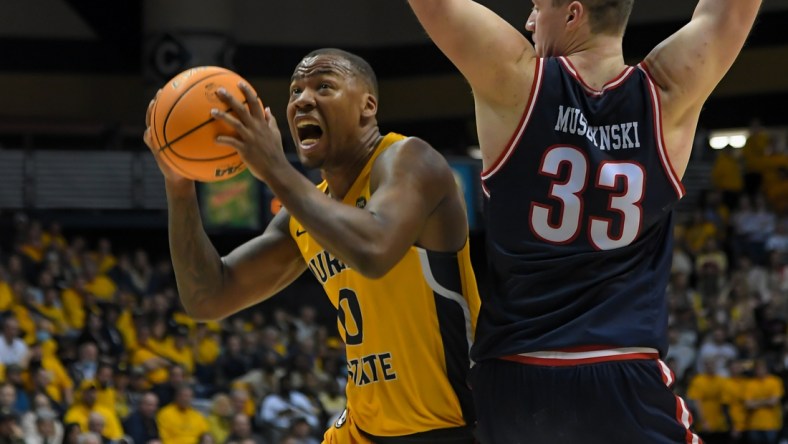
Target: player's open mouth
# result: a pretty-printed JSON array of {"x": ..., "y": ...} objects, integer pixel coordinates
[{"x": 309, "y": 134}]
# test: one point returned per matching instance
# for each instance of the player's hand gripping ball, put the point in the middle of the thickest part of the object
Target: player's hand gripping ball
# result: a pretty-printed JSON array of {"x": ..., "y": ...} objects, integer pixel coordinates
[{"x": 184, "y": 131}]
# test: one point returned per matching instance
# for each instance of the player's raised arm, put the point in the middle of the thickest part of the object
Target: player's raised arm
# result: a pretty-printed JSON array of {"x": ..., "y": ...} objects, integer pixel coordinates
[
  {"x": 690, "y": 63},
  {"x": 487, "y": 50}
]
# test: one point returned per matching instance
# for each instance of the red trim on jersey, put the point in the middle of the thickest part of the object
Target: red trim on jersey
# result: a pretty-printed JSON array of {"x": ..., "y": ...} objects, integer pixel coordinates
[
  {"x": 583, "y": 355},
  {"x": 656, "y": 103},
  {"x": 611, "y": 85},
  {"x": 518, "y": 132},
  {"x": 683, "y": 414},
  {"x": 572, "y": 362}
]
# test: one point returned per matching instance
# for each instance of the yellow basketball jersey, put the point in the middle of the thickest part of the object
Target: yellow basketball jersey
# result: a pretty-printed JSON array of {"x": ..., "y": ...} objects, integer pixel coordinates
[{"x": 407, "y": 334}]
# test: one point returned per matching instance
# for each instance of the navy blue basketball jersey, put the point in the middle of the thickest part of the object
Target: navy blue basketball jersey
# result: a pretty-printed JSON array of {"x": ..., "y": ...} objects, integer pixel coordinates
[{"x": 579, "y": 216}]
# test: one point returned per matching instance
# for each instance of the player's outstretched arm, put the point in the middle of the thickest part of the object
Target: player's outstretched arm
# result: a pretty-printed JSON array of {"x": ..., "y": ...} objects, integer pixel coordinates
[
  {"x": 689, "y": 64},
  {"x": 413, "y": 192},
  {"x": 489, "y": 52}
]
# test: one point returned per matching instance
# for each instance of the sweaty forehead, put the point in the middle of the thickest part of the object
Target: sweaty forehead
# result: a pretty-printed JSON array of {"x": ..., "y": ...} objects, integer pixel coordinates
[{"x": 321, "y": 65}]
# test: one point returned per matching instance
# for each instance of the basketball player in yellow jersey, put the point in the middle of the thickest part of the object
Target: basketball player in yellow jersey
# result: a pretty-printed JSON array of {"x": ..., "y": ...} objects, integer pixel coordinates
[{"x": 386, "y": 234}]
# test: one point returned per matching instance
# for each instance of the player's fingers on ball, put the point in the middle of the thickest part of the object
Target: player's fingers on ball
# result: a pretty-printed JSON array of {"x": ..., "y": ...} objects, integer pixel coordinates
[
  {"x": 151, "y": 105},
  {"x": 146, "y": 137},
  {"x": 229, "y": 119},
  {"x": 269, "y": 117},
  {"x": 235, "y": 105},
  {"x": 230, "y": 141},
  {"x": 149, "y": 111},
  {"x": 251, "y": 100}
]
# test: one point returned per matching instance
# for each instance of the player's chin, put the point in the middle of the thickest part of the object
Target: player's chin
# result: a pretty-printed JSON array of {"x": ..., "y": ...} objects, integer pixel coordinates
[{"x": 309, "y": 159}]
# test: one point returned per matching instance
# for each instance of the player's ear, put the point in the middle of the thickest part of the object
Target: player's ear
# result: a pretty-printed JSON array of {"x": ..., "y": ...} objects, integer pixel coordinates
[
  {"x": 370, "y": 106},
  {"x": 575, "y": 13}
]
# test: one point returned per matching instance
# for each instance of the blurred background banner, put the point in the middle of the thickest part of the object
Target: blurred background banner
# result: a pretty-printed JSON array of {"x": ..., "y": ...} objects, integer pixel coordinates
[{"x": 232, "y": 204}]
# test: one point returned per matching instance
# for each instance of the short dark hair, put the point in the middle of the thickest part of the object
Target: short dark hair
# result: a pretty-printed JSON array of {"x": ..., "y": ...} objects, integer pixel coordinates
[
  {"x": 605, "y": 16},
  {"x": 361, "y": 67}
]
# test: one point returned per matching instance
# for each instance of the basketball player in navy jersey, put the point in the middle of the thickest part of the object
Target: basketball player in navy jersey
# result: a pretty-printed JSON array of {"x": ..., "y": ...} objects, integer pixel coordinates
[{"x": 583, "y": 159}]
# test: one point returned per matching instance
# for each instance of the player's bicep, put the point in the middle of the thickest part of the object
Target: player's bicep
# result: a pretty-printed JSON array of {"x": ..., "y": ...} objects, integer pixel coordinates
[
  {"x": 410, "y": 183},
  {"x": 263, "y": 266},
  {"x": 486, "y": 49}
]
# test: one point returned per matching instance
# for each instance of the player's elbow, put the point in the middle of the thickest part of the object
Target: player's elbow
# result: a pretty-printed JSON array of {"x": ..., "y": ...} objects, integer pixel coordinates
[
  {"x": 203, "y": 310},
  {"x": 371, "y": 262},
  {"x": 372, "y": 271}
]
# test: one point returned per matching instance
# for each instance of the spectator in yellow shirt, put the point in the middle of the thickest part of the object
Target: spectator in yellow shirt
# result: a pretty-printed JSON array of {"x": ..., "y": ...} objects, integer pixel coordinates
[
  {"x": 735, "y": 388},
  {"x": 53, "y": 237},
  {"x": 76, "y": 301},
  {"x": 220, "y": 419},
  {"x": 60, "y": 386},
  {"x": 125, "y": 323},
  {"x": 754, "y": 155},
  {"x": 6, "y": 295},
  {"x": 180, "y": 350},
  {"x": 98, "y": 283},
  {"x": 154, "y": 365},
  {"x": 80, "y": 412},
  {"x": 51, "y": 309},
  {"x": 179, "y": 422},
  {"x": 727, "y": 177},
  {"x": 103, "y": 257},
  {"x": 105, "y": 392},
  {"x": 776, "y": 191},
  {"x": 706, "y": 390},
  {"x": 762, "y": 399},
  {"x": 699, "y": 230}
]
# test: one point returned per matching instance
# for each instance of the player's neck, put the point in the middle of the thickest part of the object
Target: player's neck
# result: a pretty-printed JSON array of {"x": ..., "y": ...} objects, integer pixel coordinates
[
  {"x": 341, "y": 177},
  {"x": 598, "y": 60}
]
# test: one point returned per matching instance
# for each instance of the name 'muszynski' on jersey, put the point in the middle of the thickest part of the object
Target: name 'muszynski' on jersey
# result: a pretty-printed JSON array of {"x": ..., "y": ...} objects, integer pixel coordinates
[
  {"x": 579, "y": 216},
  {"x": 605, "y": 137}
]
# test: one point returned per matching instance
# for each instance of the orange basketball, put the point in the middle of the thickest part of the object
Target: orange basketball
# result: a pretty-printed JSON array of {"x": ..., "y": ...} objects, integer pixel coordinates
[{"x": 184, "y": 130}]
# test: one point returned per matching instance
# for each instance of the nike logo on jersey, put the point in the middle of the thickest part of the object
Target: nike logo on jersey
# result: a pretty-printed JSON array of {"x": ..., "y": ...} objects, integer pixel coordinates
[
  {"x": 299, "y": 232},
  {"x": 341, "y": 420}
]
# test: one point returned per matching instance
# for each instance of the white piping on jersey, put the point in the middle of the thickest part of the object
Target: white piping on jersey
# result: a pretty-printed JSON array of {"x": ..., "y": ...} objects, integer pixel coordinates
[
  {"x": 683, "y": 413},
  {"x": 446, "y": 293},
  {"x": 501, "y": 161},
  {"x": 684, "y": 418},
  {"x": 663, "y": 154},
  {"x": 666, "y": 372},
  {"x": 591, "y": 354}
]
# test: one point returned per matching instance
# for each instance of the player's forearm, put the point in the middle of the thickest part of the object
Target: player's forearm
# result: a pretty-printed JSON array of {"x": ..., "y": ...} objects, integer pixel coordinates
[
  {"x": 729, "y": 15},
  {"x": 351, "y": 234},
  {"x": 198, "y": 267}
]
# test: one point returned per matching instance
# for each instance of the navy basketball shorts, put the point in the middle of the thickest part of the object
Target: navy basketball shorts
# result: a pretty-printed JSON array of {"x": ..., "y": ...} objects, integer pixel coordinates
[{"x": 614, "y": 402}]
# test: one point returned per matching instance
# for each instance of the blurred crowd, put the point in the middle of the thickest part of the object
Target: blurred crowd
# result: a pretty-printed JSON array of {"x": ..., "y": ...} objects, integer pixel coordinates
[
  {"x": 96, "y": 348},
  {"x": 728, "y": 297}
]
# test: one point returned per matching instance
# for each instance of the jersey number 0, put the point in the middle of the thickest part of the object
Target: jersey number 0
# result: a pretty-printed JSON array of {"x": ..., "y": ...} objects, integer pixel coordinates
[{"x": 350, "y": 317}]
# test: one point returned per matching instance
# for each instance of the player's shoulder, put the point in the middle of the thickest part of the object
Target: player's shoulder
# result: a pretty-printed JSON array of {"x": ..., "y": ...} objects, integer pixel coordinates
[
  {"x": 412, "y": 149},
  {"x": 411, "y": 157}
]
